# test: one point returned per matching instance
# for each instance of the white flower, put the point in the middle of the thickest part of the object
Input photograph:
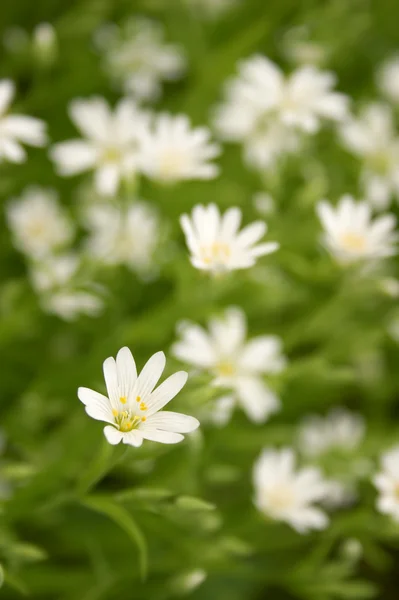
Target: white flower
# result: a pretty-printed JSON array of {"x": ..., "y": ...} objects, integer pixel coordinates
[
  {"x": 373, "y": 138},
  {"x": 112, "y": 144},
  {"x": 212, "y": 9},
  {"x": 340, "y": 429},
  {"x": 38, "y": 223},
  {"x": 16, "y": 129},
  {"x": 138, "y": 58},
  {"x": 56, "y": 280},
  {"x": 265, "y": 110},
  {"x": 350, "y": 233},
  {"x": 388, "y": 79},
  {"x": 215, "y": 243},
  {"x": 264, "y": 203},
  {"x": 133, "y": 406},
  {"x": 387, "y": 484},
  {"x": 286, "y": 494},
  {"x": 123, "y": 236},
  {"x": 173, "y": 151},
  {"x": 235, "y": 363}
]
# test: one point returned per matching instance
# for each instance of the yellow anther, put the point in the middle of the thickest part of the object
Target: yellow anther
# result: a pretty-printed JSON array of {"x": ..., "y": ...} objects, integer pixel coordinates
[
  {"x": 143, "y": 418},
  {"x": 138, "y": 399},
  {"x": 123, "y": 399},
  {"x": 115, "y": 412},
  {"x": 143, "y": 406}
]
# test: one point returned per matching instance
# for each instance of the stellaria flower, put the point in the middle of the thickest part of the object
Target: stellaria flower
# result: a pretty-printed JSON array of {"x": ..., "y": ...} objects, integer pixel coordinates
[
  {"x": 387, "y": 484},
  {"x": 268, "y": 111},
  {"x": 16, "y": 129},
  {"x": 236, "y": 364},
  {"x": 351, "y": 235},
  {"x": 112, "y": 144},
  {"x": 215, "y": 243},
  {"x": 388, "y": 79},
  {"x": 340, "y": 429},
  {"x": 373, "y": 138},
  {"x": 133, "y": 406},
  {"x": 123, "y": 235},
  {"x": 137, "y": 56},
  {"x": 284, "y": 493},
  {"x": 38, "y": 223},
  {"x": 173, "y": 151}
]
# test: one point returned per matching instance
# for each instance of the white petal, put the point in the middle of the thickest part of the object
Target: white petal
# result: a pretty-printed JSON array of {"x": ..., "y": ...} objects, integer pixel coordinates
[
  {"x": 251, "y": 234},
  {"x": 12, "y": 151},
  {"x": 264, "y": 249},
  {"x": 107, "y": 179},
  {"x": 114, "y": 436},
  {"x": 165, "y": 437},
  {"x": 92, "y": 117},
  {"x": 133, "y": 438},
  {"x": 165, "y": 392},
  {"x": 127, "y": 373},
  {"x": 150, "y": 375},
  {"x": 256, "y": 399},
  {"x": 26, "y": 129},
  {"x": 111, "y": 381},
  {"x": 72, "y": 157},
  {"x": 7, "y": 91},
  {"x": 171, "y": 421}
]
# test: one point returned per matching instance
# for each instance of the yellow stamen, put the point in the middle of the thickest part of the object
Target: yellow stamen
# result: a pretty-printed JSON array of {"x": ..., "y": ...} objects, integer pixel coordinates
[
  {"x": 143, "y": 418},
  {"x": 123, "y": 399},
  {"x": 115, "y": 412},
  {"x": 353, "y": 241},
  {"x": 143, "y": 406},
  {"x": 138, "y": 399},
  {"x": 225, "y": 369}
]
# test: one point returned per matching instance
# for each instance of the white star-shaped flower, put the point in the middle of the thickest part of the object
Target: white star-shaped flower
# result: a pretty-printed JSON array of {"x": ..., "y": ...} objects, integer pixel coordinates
[
  {"x": 373, "y": 138},
  {"x": 16, "y": 129},
  {"x": 112, "y": 144},
  {"x": 284, "y": 493},
  {"x": 38, "y": 223},
  {"x": 174, "y": 151},
  {"x": 266, "y": 110},
  {"x": 338, "y": 430},
  {"x": 351, "y": 235},
  {"x": 215, "y": 243},
  {"x": 133, "y": 406},
  {"x": 387, "y": 484},
  {"x": 123, "y": 235},
  {"x": 236, "y": 364}
]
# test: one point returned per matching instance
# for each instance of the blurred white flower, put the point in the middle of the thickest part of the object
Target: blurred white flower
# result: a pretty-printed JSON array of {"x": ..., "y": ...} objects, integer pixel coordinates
[
  {"x": 235, "y": 363},
  {"x": 174, "y": 151},
  {"x": 340, "y": 429},
  {"x": 56, "y": 281},
  {"x": 351, "y": 235},
  {"x": 123, "y": 235},
  {"x": 387, "y": 484},
  {"x": 266, "y": 111},
  {"x": 112, "y": 144},
  {"x": 215, "y": 243},
  {"x": 388, "y": 79},
  {"x": 301, "y": 50},
  {"x": 373, "y": 138},
  {"x": 133, "y": 406},
  {"x": 16, "y": 129},
  {"x": 38, "y": 223},
  {"x": 263, "y": 203},
  {"x": 390, "y": 286},
  {"x": 45, "y": 42},
  {"x": 284, "y": 493},
  {"x": 137, "y": 57}
]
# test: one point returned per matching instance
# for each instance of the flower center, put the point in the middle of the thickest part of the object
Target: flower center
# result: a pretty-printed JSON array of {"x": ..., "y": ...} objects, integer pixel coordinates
[
  {"x": 36, "y": 229},
  {"x": 171, "y": 164},
  {"x": 126, "y": 420},
  {"x": 280, "y": 497},
  {"x": 225, "y": 369},
  {"x": 354, "y": 242},
  {"x": 380, "y": 162},
  {"x": 111, "y": 155},
  {"x": 218, "y": 253}
]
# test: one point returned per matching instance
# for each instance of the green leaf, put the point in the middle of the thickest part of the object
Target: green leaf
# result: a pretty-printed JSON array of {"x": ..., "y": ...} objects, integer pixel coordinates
[
  {"x": 123, "y": 518},
  {"x": 190, "y": 503}
]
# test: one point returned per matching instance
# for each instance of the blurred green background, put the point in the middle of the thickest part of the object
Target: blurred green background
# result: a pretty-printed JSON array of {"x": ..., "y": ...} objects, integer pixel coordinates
[{"x": 83, "y": 524}]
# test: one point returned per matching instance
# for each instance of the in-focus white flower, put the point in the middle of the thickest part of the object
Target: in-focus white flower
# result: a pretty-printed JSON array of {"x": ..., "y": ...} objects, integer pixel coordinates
[
  {"x": 235, "y": 363},
  {"x": 388, "y": 79},
  {"x": 62, "y": 292},
  {"x": 387, "y": 484},
  {"x": 38, "y": 223},
  {"x": 123, "y": 235},
  {"x": 284, "y": 493},
  {"x": 133, "y": 406},
  {"x": 339, "y": 430},
  {"x": 215, "y": 243},
  {"x": 137, "y": 57},
  {"x": 174, "y": 151},
  {"x": 351, "y": 235},
  {"x": 112, "y": 144},
  {"x": 16, "y": 129},
  {"x": 268, "y": 112},
  {"x": 373, "y": 138}
]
